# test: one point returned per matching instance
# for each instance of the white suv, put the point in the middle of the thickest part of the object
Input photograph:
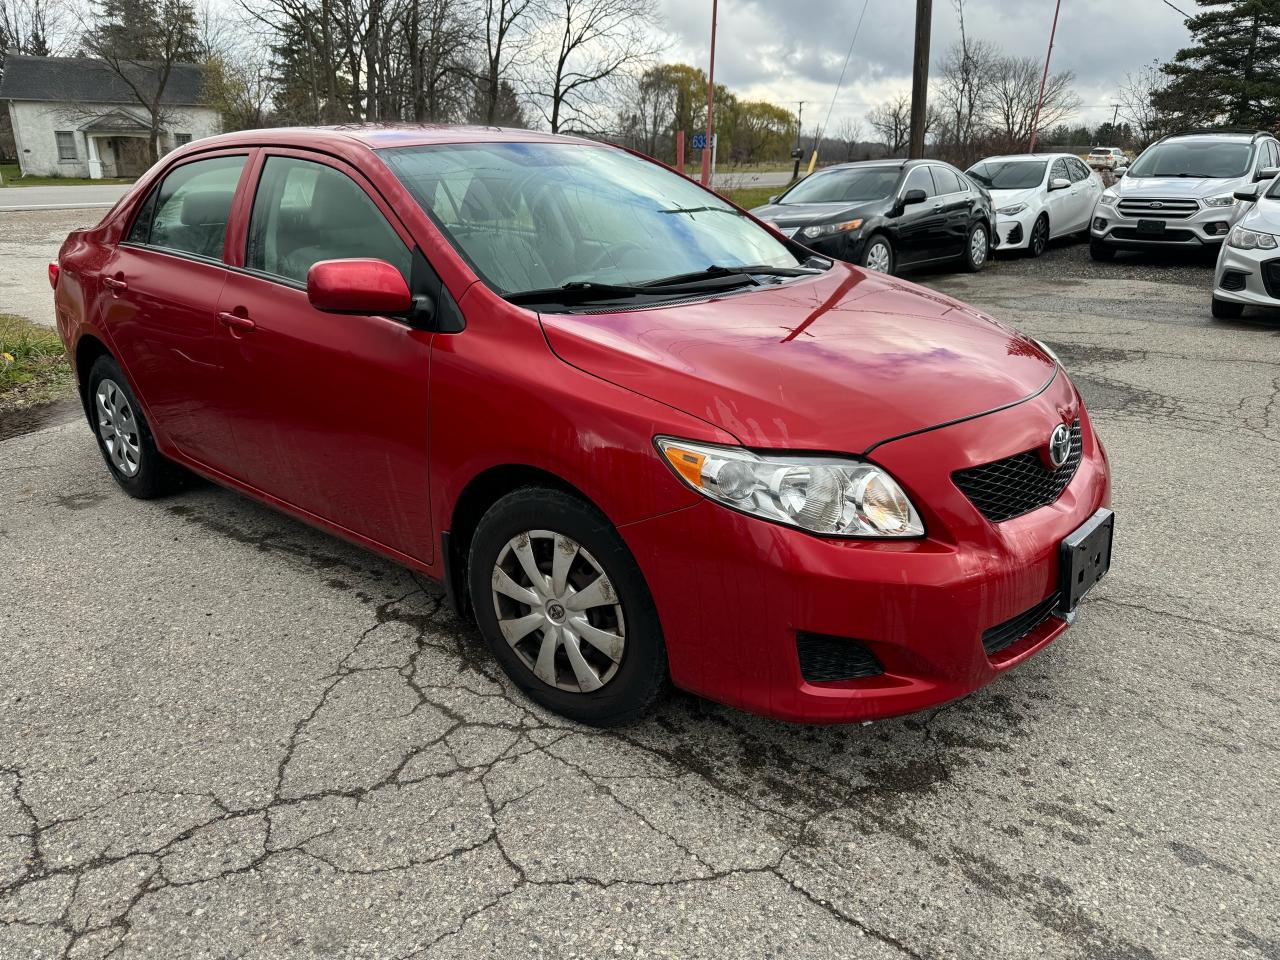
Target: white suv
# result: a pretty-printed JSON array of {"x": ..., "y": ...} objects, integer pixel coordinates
[
  {"x": 1106, "y": 158},
  {"x": 1248, "y": 271},
  {"x": 1181, "y": 192}
]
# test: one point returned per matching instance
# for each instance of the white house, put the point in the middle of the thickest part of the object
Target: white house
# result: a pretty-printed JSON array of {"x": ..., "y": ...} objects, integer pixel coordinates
[{"x": 75, "y": 117}]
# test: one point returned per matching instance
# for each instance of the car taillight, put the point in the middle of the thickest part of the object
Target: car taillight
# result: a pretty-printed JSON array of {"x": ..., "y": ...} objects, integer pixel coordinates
[{"x": 53, "y": 275}]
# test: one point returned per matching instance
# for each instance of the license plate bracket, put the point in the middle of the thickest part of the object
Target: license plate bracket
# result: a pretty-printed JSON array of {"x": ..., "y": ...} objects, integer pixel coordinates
[
  {"x": 1084, "y": 559},
  {"x": 1151, "y": 227}
]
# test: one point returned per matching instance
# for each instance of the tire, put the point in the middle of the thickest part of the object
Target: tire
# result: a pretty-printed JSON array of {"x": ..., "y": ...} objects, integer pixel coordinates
[
  {"x": 1038, "y": 242},
  {"x": 1226, "y": 310},
  {"x": 545, "y": 519},
  {"x": 1101, "y": 251},
  {"x": 124, "y": 436},
  {"x": 975, "y": 260},
  {"x": 878, "y": 239}
]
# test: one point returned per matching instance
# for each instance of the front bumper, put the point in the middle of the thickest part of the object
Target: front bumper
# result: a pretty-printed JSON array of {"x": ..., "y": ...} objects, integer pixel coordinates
[
  {"x": 733, "y": 592},
  {"x": 1015, "y": 232},
  {"x": 1207, "y": 228},
  {"x": 1241, "y": 277}
]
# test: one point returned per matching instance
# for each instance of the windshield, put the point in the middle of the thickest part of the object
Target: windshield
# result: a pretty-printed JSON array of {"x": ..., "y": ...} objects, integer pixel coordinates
[
  {"x": 532, "y": 216},
  {"x": 1194, "y": 158},
  {"x": 845, "y": 185},
  {"x": 1009, "y": 174}
]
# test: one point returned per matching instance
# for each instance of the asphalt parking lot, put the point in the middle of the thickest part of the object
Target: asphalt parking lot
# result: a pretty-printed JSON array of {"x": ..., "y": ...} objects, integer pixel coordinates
[{"x": 223, "y": 734}]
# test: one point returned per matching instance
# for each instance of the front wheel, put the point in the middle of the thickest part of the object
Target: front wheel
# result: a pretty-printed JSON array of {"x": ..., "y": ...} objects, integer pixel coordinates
[
  {"x": 564, "y": 608},
  {"x": 1227, "y": 310},
  {"x": 1039, "y": 239},
  {"x": 878, "y": 254},
  {"x": 978, "y": 248}
]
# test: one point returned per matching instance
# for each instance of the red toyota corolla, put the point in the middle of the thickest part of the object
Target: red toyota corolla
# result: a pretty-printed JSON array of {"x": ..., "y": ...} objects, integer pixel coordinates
[{"x": 636, "y": 432}]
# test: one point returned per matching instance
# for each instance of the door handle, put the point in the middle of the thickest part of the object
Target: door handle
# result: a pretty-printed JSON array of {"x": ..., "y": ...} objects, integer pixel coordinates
[
  {"x": 115, "y": 284},
  {"x": 937, "y": 206},
  {"x": 234, "y": 322}
]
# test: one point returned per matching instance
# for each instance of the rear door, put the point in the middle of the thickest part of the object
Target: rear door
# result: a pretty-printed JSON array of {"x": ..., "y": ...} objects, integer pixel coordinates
[
  {"x": 920, "y": 225},
  {"x": 330, "y": 410},
  {"x": 161, "y": 287},
  {"x": 1062, "y": 204},
  {"x": 954, "y": 202},
  {"x": 1086, "y": 187}
]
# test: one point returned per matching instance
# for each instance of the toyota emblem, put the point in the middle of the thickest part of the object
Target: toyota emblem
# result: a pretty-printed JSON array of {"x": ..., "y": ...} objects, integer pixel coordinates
[{"x": 1059, "y": 445}]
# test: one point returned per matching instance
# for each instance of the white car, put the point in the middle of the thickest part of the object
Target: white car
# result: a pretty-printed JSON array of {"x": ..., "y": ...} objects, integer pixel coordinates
[
  {"x": 1248, "y": 272},
  {"x": 1038, "y": 196},
  {"x": 1107, "y": 158}
]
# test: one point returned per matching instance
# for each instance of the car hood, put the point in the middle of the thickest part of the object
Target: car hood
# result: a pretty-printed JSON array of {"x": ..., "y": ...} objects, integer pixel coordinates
[
  {"x": 1129, "y": 186},
  {"x": 1005, "y": 198},
  {"x": 791, "y": 214},
  {"x": 834, "y": 363}
]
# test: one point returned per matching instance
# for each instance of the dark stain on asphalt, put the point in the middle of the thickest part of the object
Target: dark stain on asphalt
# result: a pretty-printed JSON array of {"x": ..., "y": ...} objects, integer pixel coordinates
[
  {"x": 17, "y": 423},
  {"x": 81, "y": 499}
]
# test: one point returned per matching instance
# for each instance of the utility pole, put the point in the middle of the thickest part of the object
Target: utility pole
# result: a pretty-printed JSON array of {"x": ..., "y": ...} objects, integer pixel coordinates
[
  {"x": 795, "y": 171},
  {"x": 920, "y": 78},
  {"x": 711, "y": 99},
  {"x": 1035, "y": 123}
]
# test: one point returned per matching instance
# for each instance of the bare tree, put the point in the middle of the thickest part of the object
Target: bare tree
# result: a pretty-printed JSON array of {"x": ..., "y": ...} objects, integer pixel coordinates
[
  {"x": 1015, "y": 90},
  {"x": 965, "y": 90},
  {"x": 1138, "y": 99},
  {"x": 589, "y": 45},
  {"x": 849, "y": 132},
  {"x": 509, "y": 33},
  {"x": 891, "y": 121}
]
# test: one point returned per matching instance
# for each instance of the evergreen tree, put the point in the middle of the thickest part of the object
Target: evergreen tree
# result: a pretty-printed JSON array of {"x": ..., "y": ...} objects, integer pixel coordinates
[{"x": 1231, "y": 76}]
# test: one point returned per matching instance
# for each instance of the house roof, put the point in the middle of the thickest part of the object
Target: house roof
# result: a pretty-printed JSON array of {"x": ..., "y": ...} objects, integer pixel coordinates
[{"x": 84, "y": 80}]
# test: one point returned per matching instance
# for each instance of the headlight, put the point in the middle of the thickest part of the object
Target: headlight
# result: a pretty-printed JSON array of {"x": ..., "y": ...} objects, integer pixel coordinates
[
  {"x": 1045, "y": 347},
  {"x": 1012, "y": 210},
  {"x": 1108, "y": 197},
  {"x": 1251, "y": 240},
  {"x": 840, "y": 498},
  {"x": 827, "y": 229},
  {"x": 1226, "y": 200}
]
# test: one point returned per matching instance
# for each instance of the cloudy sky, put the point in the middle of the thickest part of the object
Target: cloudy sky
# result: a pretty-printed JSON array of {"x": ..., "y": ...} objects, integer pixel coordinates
[{"x": 788, "y": 50}]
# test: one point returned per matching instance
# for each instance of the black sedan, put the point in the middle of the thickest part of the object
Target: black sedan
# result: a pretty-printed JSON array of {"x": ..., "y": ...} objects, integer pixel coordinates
[{"x": 888, "y": 214}]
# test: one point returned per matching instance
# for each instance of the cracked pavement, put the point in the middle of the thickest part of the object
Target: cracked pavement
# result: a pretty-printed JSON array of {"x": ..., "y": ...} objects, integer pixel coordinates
[{"x": 223, "y": 734}]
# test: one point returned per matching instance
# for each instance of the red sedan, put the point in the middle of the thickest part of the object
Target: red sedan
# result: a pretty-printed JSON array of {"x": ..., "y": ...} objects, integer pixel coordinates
[{"x": 637, "y": 433}]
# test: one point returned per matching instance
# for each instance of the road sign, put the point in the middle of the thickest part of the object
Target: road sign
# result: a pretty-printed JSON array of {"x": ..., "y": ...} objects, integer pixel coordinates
[{"x": 699, "y": 141}]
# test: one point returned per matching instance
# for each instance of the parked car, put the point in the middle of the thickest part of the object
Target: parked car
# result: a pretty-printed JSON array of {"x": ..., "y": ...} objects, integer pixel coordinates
[
  {"x": 1248, "y": 272},
  {"x": 1106, "y": 158},
  {"x": 636, "y": 433},
  {"x": 887, "y": 215},
  {"x": 1038, "y": 197},
  {"x": 1181, "y": 192}
]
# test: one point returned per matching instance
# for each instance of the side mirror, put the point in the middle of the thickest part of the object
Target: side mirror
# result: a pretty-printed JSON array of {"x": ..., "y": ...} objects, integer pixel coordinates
[
  {"x": 1248, "y": 194},
  {"x": 358, "y": 286},
  {"x": 1266, "y": 173},
  {"x": 1059, "y": 183},
  {"x": 774, "y": 198},
  {"x": 1119, "y": 172},
  {"x": 914, "y": 196}
]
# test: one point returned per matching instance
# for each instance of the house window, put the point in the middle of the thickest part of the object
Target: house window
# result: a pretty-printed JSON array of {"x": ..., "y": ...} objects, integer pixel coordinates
[
  {"x": 181, "y": 139},
  {"x": 66, "y": 145}
]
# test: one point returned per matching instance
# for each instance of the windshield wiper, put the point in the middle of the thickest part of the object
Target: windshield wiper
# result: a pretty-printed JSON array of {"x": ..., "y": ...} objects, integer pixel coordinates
[
  {"x": 699, "y": 210},
  {"x": 715, "y": 270},
  {"x": 585, "y": 291}
]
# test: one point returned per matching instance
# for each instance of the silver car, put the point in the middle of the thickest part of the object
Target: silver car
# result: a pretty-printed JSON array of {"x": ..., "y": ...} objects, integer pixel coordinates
[
  {"x": 1181, "y": 192},
  {"x": 1248, "y": 271}
]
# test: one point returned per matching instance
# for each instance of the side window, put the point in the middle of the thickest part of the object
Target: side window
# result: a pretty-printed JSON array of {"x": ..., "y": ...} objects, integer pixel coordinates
[
  {"x": 1273, "y": 155},
  {"x": 306, "y": 212},
  {"x": 1078, "y": 170},
  {"x": 920, "y": 179},
  {"x": 189, "y": 210},
  {"x": 946, "y": 180},
  {"x": 1059, "y": 170}
]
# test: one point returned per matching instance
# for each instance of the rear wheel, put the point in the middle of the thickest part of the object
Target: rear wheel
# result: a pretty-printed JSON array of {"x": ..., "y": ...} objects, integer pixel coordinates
[
  {"x": 564, "y": 608},
  {"x": 978, "y": 248},
  {"x": 124, "y": 436},
  {"x": 878, "y": 254},
  {"x": 1101, "y": 251},
  {"x": 1039, "y": 239},
  {"x": 1227, "y": 310}
]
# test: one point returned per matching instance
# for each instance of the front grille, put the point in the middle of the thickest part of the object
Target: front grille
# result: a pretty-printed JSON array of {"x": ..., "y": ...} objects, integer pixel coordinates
[
  {"x": 1233, "y": 280},
  {"x": 825, "y": 659},
  {"x": 1005, "y": 635},
  {"x": 1271, "y": 278},
  {"x": 1165, "y": 236},
  {"x": 1016, "y": 485},
  {"x": 1158, "y": 208}
]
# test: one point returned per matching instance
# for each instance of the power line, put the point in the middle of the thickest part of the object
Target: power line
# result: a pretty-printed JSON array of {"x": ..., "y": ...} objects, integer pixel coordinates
[
  {"x": 1186, "y": 16},
  {"x": 856, "y": 30}
]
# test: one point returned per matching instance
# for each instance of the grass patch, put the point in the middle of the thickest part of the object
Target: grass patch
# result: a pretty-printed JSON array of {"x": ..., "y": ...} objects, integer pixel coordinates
[
  {"x": 752, "y": 196},
  {"x": 12, "y": 175},
  {"x": 33, "y": 364}
]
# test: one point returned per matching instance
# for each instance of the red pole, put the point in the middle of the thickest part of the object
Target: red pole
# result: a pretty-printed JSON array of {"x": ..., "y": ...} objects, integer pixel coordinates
[
  {"x": 711, "y": 98},
  {"x": 679, "y": 151},
  {"x": 1035, "y": 124}
]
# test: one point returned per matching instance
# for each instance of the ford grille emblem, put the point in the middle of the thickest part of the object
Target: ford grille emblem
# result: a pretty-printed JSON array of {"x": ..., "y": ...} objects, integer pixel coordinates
[
  {"x": 1155, "y": 204},
  {"x": 1059, "y": 445}
]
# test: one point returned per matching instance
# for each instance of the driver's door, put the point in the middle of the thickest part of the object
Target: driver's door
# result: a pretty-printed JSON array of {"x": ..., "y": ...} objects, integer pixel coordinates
[{"x": 329, "y": 411}]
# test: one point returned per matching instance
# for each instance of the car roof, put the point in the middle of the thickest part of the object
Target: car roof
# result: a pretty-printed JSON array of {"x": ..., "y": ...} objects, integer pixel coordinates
[
  {"x": 1223, "y": 135},
  {"x": 1024, "y": 156},
  {"x": 378, "y": 136}
]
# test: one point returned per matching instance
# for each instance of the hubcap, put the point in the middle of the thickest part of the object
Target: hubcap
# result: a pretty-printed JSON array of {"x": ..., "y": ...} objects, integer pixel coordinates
[
  {"x": 558, "y": 610},
  {"x": 118, "y": 428},
  {"x": 878, "y": 257},
  {"x": 978, "y": 247},
  {"x": 1040, "y": 235}
]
